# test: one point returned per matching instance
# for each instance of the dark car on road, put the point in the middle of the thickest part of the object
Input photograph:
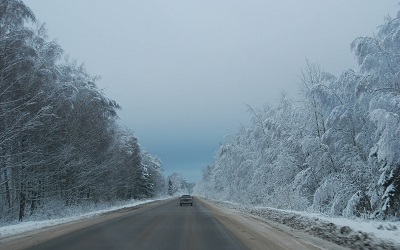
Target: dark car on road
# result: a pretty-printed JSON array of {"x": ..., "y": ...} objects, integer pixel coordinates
[{"x": 186, "y": 199}]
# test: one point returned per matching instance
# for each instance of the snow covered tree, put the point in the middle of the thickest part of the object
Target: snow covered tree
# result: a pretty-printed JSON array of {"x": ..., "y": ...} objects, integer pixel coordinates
[
  {"x": 177, "y": 184},
  {"x": 337, "y": 154},
  {"x": 156, "y": 177},
  {"x": 379, "y": 59},
  {"x": 59, "y": 139}
]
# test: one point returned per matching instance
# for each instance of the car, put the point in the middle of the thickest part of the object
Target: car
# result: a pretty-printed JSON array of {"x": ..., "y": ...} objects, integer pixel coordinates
[{"x": 186, "y": 199}]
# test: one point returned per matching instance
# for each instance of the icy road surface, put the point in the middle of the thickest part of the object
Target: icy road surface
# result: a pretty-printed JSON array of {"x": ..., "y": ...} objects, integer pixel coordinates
[{"x": 166, "y": 225}]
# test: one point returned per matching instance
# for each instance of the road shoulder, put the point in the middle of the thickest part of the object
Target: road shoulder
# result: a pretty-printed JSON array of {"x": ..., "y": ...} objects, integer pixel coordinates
[{"x": 257, "y": 232}]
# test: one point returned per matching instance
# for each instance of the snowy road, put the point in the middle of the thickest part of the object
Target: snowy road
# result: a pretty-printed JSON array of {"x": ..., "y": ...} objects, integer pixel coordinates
[{"x": 166, "y": 225}]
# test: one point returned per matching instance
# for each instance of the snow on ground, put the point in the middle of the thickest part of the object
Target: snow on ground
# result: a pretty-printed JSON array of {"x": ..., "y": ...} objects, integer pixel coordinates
[
  {"x": 26, "y": 226},
  {"x": 380, "y": 229},
  {"x": 354, "y": 234}
]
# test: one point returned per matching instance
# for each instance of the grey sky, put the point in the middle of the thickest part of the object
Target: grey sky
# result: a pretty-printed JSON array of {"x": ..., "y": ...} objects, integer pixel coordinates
[{"x": 183, "y": 70}]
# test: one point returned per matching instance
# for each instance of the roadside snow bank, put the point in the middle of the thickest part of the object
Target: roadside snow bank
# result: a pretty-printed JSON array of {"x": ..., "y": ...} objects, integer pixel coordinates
[
  {"x": 355, "y": 234},
  {"x": 22, "y": 227}
]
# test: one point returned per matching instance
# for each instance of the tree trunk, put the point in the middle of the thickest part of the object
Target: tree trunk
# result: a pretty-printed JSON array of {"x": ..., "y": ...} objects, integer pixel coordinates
[
  {"x": 7, "y": 187},
  {"x": 21, "y": 204},
  {"x": 33, "y": 202}
]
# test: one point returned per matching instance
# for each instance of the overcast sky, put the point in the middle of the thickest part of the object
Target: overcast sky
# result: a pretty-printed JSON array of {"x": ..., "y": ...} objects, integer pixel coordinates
[{"x": 184, "y": 70}]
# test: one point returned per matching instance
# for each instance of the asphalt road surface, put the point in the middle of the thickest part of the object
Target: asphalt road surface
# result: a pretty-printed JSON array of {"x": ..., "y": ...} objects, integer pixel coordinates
[{"x": 167, "y": 226}]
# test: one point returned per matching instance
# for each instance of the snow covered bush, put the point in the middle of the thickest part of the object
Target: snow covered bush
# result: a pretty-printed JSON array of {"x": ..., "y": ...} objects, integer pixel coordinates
[{"x": 358, "y": 206}]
